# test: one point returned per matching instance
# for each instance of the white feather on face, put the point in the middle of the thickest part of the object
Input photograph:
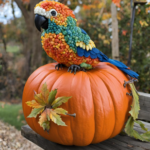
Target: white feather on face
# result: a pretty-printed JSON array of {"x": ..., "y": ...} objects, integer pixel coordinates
[{"x": 40, "y": 11}]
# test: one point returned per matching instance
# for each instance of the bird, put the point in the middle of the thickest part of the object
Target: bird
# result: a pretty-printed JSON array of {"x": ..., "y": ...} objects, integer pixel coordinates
[{"x": 67, "y": 43}]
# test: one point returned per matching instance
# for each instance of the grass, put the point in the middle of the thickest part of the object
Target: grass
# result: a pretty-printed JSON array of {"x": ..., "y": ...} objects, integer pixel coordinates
[
  {"x": 13, "y": 49},
  {"x": 12, "y": 114}
]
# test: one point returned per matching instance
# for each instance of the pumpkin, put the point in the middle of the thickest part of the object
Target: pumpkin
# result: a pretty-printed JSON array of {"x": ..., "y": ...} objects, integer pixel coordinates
[{"x": 99, "y": 100}]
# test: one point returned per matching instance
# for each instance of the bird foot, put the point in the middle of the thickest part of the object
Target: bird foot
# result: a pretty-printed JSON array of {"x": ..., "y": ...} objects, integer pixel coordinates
[
  {"x": 75, "y": 68},
  {"x": 58, "y": 66},
  {"x": 130, "y": 81},
  {"x": 130, "y": 94}
]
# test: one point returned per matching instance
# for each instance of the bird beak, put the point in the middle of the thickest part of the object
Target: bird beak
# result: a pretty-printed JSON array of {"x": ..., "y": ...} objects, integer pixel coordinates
[{"x": 41, "y": 22}]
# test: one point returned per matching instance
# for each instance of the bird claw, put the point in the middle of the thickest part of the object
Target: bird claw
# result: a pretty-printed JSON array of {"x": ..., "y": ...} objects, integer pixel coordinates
[
  {"x": 74, "y": 68},
  {"x": 58, "y": 66},
  {"x": 130, "y": 94},
  {"x": 130, "y": 81}
]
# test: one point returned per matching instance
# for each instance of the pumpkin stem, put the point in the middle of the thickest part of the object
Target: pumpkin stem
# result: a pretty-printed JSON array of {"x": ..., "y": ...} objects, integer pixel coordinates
[{"x": 72, "y": 115}]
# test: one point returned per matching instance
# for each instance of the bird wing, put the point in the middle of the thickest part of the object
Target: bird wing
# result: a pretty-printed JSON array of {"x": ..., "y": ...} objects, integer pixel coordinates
[
  {"x": 83, "y": 45},
  {"x": 89, "y": 50},
  {"x": 93, "y": 52}
]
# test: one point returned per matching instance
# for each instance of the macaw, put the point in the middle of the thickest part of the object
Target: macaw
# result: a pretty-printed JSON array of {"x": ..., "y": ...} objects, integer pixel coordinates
[{"x": 67, "y": 43}]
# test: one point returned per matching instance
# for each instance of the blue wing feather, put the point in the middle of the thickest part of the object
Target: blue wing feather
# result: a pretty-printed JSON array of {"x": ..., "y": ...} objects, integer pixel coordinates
[
  {"x": 95, "y": 53},
  {"x": 86, "y": 54}
]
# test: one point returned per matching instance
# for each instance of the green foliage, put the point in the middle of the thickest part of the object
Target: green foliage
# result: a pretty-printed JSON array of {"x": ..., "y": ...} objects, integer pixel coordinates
[
  {"x": 141, "y": 45},
  {"x": 12, "y": 114}
]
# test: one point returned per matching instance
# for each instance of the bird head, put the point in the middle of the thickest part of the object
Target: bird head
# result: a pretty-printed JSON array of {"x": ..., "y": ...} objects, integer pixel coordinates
[{"x": 47, "y": 12}]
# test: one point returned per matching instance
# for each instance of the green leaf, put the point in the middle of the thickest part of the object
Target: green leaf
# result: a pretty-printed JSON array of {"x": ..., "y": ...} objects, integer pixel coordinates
[
  {"x": 35, "y": 112},
  {"x": 56, "y": 118},
  {"x": 59, "y": 101},
  {"x": 45, "y": 93},
  {"x": 46, "y": 126},
  {"x": 141, "y": 125},
  {"x": 135, "y": 105},
  {"x": 61, "y": 111},
  {"x": 131, "y": 132},
  {"x": 51, "y": 96}
]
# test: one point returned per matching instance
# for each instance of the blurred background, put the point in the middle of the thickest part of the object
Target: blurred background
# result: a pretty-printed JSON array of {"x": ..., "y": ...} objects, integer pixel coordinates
[{"x": 21, "y": 52}]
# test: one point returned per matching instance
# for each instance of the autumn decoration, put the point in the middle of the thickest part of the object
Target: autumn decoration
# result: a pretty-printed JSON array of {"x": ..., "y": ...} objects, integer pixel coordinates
[
  {"x": 46, "y": 105},
  {"x": 97, "y": 91},
  {"x": 98, "y": 98}
]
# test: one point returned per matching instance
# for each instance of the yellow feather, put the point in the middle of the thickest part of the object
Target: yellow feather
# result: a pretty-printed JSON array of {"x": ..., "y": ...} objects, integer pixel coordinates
[
  {"x": 87, "y": 48},
  {"x": 84, "y": 46},
  {"x": 90, "y": 47},
  {"x": 80, "y": 44},
  {"x": 77, "y": 44}
]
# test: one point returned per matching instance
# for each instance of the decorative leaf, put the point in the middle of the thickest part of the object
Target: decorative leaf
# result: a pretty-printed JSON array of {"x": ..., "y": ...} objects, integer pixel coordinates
[
  {"x": 131, "y": 132},
  {"x": 61, "y": 111},
  {"x": 135, "y": 105},
  {"x": 59, "y": 101},
  {"x": 46, "y": 126},
  {"x": 134, "y": 115},
  {"x": 43, "y": 104},
  {"x": 44, "y": 120},
  {"x": 56, "y": 118},
  {"x": 39, "y": 99},
  {"x": 141, "y": 125},
  {"x": 43, "y": 117},
  {"x": 35, "y": 112},
  {"x": 51, "y": 96},
  {"x": 45, "y": 93},
  {"x": 34, "y": 104}
]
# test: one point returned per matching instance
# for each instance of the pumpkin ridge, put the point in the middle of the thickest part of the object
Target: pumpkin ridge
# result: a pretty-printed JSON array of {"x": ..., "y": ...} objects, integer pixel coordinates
[
  {"x": 113, "y": 75},
  {"x": 111, "y": 95},
  {"x": 52, "y": 87},
  {"x": 102, "y": 107},
  {"x": 93, "y": 103},
  {"x": 71, "y": 121},
  {"x": 44, "y": 79}
]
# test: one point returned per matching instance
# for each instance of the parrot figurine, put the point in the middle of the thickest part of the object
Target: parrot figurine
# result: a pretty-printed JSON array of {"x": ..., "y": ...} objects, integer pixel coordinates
[{"x": 67, "y": 43}]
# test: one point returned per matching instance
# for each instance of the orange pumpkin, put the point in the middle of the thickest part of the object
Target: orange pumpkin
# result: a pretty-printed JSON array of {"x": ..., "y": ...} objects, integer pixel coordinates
[{"x": 98, "y": 99}]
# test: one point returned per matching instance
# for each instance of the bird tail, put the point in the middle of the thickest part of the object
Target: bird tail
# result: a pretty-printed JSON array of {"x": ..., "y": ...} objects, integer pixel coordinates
[{"x": 123, "y": 68}]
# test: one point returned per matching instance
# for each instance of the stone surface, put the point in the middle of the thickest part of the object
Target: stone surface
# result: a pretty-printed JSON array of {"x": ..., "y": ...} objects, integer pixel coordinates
[{"x": 11, "y": 139}]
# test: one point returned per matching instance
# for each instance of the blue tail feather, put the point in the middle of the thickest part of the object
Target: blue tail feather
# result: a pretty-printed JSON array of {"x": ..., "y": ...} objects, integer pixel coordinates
[
  {"x": 95, "y": 53},
  {"x": 123, "y": 68}
]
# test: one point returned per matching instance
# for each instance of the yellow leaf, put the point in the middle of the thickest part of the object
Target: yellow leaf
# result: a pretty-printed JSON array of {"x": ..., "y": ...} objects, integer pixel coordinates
[
  {"x": 44, "y": 120},
  {"x": 43, "y": 117},
  {"x": 61, "y": 111},
  {"x": 135, "y": 105},
  {"x": 34, "y": 104},
  {"x": 59, "y": 101},
  {"x": 39, "y": 98},
  {"x": 100, "y": 5},
  {"x": 56, "y": 118},
  {"x": 45, "y": 93},
  {"x": 143, "y": 23}
]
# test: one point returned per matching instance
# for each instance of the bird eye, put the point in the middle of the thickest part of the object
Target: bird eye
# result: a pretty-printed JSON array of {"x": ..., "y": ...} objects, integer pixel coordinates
[{"x": 53, "y": 12}]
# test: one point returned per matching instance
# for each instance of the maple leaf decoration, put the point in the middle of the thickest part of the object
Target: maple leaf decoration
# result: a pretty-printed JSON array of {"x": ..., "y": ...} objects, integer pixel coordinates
[
  {"x": 46, "y": 106},
  {"x": 135, "y": 108}
]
